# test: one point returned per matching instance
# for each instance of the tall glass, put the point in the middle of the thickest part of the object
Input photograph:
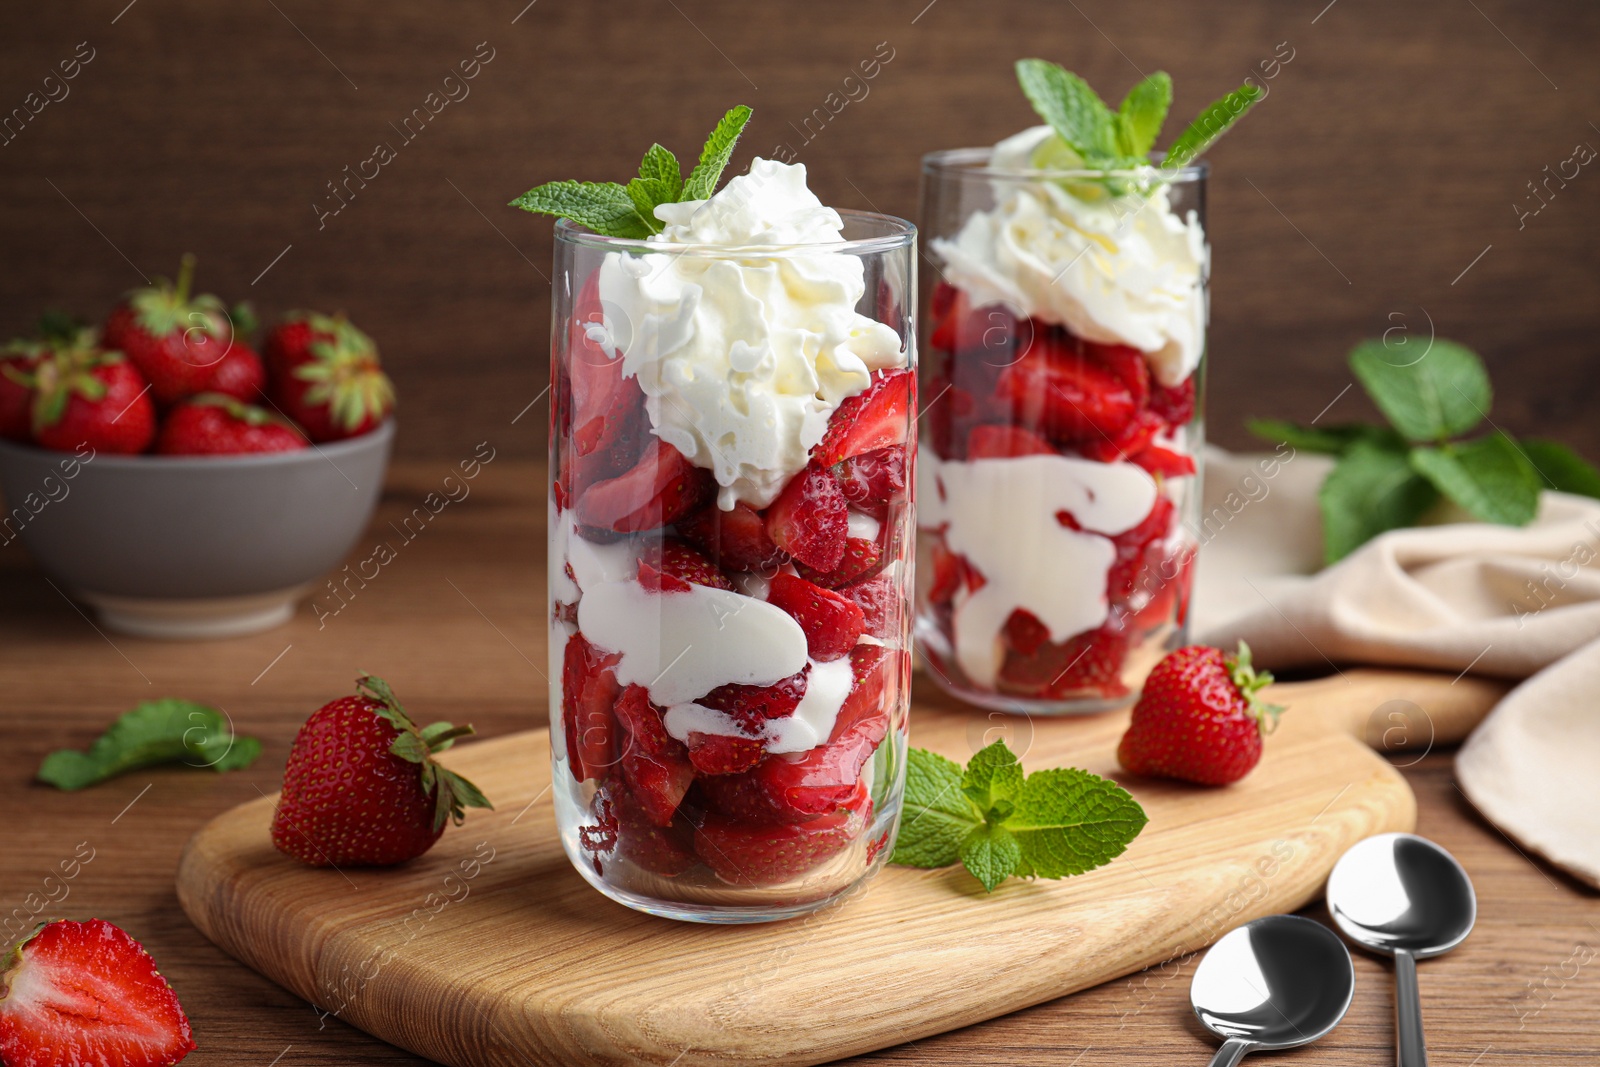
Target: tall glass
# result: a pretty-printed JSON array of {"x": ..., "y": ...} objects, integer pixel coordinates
[
  {"x": 1062, "y": 381},
  {"x": 730, "y": 623}
]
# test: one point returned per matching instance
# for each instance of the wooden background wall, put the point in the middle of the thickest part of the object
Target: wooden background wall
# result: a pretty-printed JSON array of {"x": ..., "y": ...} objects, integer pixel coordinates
[{"x": 1385, "y": 162}]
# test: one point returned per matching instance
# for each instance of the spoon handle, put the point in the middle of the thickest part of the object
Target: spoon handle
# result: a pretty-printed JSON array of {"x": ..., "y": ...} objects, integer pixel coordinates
[
  {"x": 1231, "y": 1052},
  {"x": 1411, "y": 1049}
]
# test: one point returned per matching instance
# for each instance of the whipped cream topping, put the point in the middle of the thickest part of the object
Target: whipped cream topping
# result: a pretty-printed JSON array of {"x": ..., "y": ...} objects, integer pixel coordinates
[
  {"x": 1123, "y": 270},
  {"x": 743, "y": 357},
  {"x": 827, "y": 686},
  {"x": 1001, "y": 515}
]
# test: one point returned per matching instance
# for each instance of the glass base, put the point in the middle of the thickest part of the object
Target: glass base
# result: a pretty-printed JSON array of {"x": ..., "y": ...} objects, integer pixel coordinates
[{"x": 1010, "y": 705}]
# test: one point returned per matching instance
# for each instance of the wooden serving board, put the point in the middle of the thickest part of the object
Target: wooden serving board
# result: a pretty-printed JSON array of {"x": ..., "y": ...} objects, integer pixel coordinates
[{"x": 491, "y": 950}]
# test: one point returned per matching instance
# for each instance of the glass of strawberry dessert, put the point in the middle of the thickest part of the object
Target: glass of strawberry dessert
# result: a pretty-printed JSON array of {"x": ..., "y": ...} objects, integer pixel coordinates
[
  {"x": 1062, "y": 377},
  {"x": 730, "y": 532}
]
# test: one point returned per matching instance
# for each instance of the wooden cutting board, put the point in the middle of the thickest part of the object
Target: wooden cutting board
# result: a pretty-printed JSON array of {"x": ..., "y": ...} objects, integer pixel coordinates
[{"x": 491, "y": 950}]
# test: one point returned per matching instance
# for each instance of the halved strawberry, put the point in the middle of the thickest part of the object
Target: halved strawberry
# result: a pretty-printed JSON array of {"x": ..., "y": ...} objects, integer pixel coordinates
[
  {"x": 677, "y": 558},
  {"x": 1066, "y": 395},
  {"x": 863, "y": 557},
  {"x": 1174, "y": 404},
  {"x": 736, "y": 539},
  {"x": 751, "y": 705},
  {"x": 661, "y": 488},
  {"x": 810, "y": 520},
  {"x": 716, "y": 754},
  {"x": 641, "y": 722},
  {"x": 1126, "y": 363},
  {"x": 832, "y": 623},
  {"x": 1134, "y": 438},
  {"x": 1004, "y": 442},
  {"x": 589, "y": 690},
  {"x": 756, "y": 855},
  {"x": 658, "y": 782},
  {"x": 876, "y": 417},
  {"x": 874, "y": 480},
  {"x": 1165, "y": 462},
  {"x": 87, "y": 993}
]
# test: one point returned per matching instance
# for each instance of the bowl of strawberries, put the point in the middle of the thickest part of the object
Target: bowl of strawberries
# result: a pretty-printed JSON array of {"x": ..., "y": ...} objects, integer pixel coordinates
[{"x": 182, "y": 485}]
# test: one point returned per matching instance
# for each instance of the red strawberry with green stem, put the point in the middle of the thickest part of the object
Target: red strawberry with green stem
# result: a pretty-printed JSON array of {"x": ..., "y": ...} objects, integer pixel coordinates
[
  {"x": 215, "y": 425},
  {"x": 87, "y": 396},
  {"x": 325, "y": 374},
  {"x": 18, "y": 360},
  {"x": 1200, "y": 718},
  {"x": 362, "y": 787},
  {"x": 175, "y": 339},
  {"x": 87, "y": 993}
]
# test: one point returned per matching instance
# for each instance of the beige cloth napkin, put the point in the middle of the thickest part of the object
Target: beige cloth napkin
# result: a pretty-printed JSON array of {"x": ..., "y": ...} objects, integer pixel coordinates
[{"x": 1495, "y": 600}]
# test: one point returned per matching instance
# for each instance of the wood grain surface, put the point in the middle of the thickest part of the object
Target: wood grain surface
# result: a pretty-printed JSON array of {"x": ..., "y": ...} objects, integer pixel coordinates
[
  {"x": 1385, "y": 161},
  {"x": 518, "y": 962},
  {"x": 455, "y": 622}
]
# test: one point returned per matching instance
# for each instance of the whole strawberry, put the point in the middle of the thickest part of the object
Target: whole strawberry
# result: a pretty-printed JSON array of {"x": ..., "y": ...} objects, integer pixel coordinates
[
  {"x": 1199, "y": 718},
  {"x": 325, "y": 374},
  {"x": 84, "y": 395},
  {"x": 87, "y": 993},
  {"x": 215, "y": 425},
  {"x": 362, "y": 787},
  {"x": 18, "y": 360},
  {"x": 239, "y": 374},
  {"x": 175, "y": 339}
]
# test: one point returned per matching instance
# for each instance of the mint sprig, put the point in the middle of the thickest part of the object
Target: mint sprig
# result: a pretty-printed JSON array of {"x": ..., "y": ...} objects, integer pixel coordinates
[
  {"x": 154, "y": 732},
  {"x": 999, "y": 822},
  {"x": 1122, "y": 140},
  {"x": 628, "y": 211},
  {"x": 1389, "y": 477}
]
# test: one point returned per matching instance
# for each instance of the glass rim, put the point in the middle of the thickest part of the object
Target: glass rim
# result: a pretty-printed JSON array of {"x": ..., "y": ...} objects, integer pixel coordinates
[
  {"x": 974, "y": 162},
  {"x": 901, "y": 234}
]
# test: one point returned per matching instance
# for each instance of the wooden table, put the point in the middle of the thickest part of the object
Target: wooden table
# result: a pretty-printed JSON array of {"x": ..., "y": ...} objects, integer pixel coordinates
[{"x": 455, "y": 623}]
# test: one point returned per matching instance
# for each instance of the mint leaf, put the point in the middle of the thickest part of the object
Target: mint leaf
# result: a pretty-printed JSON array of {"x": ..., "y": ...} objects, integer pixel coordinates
[
  {"x": 1212, "y": 122},
  {"x": 1489, "y": 477},
  {"x": 993, "y": 776},
  {"x": 1372, "y": 489},
  {"x": 1142, "y": 114},
  {"x": 1561, "y": 468},
  {"x": 991, "y": 853},
  {"x": 937, "y": 815},
  {"x": 1440, "y": 395},
  {"x": 1073, "y": 110},
  {"x": 1068, "y": 821},
  {"x": 1332, "y": 440},
  {"x": 154, "y": 732},
  {"x": 702, "y": 181},
  {"x": 660, "y": 165},
  {"x": 604, "y": 207}
]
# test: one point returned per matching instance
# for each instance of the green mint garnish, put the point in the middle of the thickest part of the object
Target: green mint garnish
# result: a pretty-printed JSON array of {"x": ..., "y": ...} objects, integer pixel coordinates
[
  {"x": 1388, "y": 477},
  {"x": 1102, "y": 139},
  {"x": 154, "y": 732},
  {"x": 629, "y": 210},
  {"x": 998, "y": 822}
]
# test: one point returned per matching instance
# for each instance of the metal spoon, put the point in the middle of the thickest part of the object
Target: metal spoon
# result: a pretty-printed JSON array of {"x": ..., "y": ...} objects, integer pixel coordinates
[
  {"x": 1402, "y": 895},
  {"x": 1274, "y": 983}
]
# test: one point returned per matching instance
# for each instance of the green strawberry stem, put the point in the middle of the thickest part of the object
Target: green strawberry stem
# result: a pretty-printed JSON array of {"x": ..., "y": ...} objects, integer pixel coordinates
[
  {"x": 185, "y": 278},
  {"x": 1250, "y": 682},
  {"x": 452, "y": 793}
]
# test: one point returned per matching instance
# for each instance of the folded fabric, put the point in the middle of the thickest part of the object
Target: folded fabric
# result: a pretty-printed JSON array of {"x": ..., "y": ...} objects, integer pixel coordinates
[{"x": 1504, "y": 601}]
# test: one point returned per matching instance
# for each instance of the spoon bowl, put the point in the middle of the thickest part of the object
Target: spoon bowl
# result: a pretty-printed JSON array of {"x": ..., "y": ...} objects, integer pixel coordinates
[{"x": 1275, "y": 983}]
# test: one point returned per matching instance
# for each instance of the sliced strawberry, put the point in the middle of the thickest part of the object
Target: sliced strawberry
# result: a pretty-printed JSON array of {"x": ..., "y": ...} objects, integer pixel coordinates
[
  {"x": 664, "y": 850},
  {"x": 1088, "y": 663},
  {"x": 1066, "y": 395},
  {"x": 862, "y": 559},
  {"x": 1134, "y": 438},
  {"x": 751, "y": 705},
  {"x": 589, "y": 690},
  {"x": 641, "y": 722},
  {"x": 658, "y": 782},
  {"x": 1165, "y": 462},
  {"x": 721, "y": 754},
  {"x": 1025, "y": 633},
  {"x": 87, "y": 993},
  {"x": 607, "y": 407},
  {"x": 736, "y": 540},
  {"x": 874, "y": 480},
  {"x": 1004, "y": 442},
  {"x": 1126, "y": 363},
  {"x": 876, "y": 417},
  {"x": 1174, "y": 404},
  {"x": 747, "y": 855},
  {"x": 657, "y": 582},
  {"x": 678, "y": 559},
  {"x": 810, "y": 520},
  {"x": 1138, "y": 549},
  {"x": 832, "y": 623},
  {"x": 880, "y": 603},
  {"x": 951, "y": 573},
  {"x": 661, "y": 488},
  {"x": 947, "y": 310}
]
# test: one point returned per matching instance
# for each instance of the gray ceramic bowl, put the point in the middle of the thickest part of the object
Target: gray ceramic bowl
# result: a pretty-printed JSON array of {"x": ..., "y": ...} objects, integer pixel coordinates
[{"x": 192, "y": 546}]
